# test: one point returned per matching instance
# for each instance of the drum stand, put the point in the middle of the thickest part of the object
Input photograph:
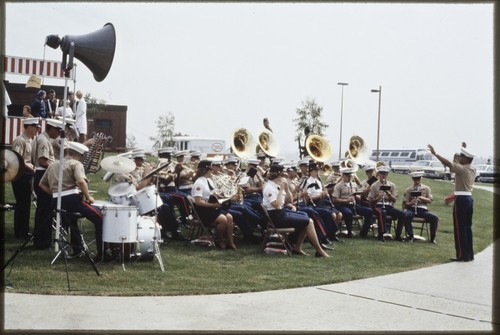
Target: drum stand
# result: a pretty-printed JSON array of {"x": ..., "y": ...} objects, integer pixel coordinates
[{"x": 64, "y": 245}]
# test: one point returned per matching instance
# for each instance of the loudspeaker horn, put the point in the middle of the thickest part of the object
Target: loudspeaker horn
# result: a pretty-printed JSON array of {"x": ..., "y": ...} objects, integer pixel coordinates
[{"x": 96, "y": 50}]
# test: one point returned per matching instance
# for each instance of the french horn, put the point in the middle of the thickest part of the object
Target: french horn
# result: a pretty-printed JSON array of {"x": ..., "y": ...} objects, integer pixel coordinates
[
  {"x": 268, "y": 143},
  {"x": 358, "y": 150},
  {"x": 318, "y": 148},
  {"x": 242, "y": 143}
]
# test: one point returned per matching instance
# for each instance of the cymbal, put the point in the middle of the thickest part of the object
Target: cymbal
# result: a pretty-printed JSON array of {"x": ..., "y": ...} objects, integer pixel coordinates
[
  {"x": 12, "y": 165},
  {"x": 117, "y": 164}
]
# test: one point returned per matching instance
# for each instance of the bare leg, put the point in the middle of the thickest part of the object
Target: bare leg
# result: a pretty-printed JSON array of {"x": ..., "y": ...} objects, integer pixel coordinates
[
  {"x": 229, "y": 232},
  {"x": 220, "y": 229},
  {"x": 311, "y": 235}
]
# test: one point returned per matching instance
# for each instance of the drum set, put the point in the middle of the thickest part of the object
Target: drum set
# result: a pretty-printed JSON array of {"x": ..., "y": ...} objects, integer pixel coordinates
[{"x": 129, "y": 217}]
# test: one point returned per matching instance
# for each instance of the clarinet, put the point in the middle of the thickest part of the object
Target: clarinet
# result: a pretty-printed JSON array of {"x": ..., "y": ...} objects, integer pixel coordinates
[
  {"x": 353, "y": 199},
  {"x": 416, "y": 198}
]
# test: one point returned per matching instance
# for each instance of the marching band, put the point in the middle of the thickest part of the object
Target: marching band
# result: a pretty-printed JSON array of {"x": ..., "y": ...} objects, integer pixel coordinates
[{"x": 163, "y": 196}]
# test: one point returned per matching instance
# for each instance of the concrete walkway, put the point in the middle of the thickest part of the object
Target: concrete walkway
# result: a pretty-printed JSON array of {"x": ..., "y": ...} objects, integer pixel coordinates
[{"x": 450, "y": 297}]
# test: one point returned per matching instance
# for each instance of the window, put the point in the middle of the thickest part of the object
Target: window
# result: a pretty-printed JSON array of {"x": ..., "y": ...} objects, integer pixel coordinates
[
  {"x": 394, "y": 154},
  {"x": 404, "y": 154},
  {"x": 384, "y": 154}
]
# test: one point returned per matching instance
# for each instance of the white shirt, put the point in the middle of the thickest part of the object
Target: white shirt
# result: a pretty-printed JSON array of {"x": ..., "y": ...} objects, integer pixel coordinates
[
  {"x": 81, "y": 116},
  {"x": 314, "y": 187},
  {"x": 270, "y": 194},
  {"x": 201, "y": 188}
]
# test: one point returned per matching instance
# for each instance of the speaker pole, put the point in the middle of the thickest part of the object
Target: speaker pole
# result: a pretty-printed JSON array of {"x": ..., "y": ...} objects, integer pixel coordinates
[{"x": 62, "y": 137}]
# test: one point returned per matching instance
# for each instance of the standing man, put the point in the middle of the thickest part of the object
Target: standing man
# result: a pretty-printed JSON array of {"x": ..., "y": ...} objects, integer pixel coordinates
[
  {"x": 80, "y": 110},
  {"x": 51, "y": 104},
  {"x": 22, "y": 187},
  {"x": 38, "y": 105},
  {"x": 43, "y": 154},
  {"x": 465, "y": 174}
]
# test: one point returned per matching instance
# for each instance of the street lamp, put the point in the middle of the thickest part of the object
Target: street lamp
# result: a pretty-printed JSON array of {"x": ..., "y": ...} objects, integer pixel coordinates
[
  {"x": 341, "y": 114},
  {"x": 379, "y": 91}
]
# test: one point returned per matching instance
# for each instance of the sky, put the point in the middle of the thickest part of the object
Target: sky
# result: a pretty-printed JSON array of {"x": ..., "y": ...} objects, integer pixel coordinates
[{"x": 219, "y": 66}]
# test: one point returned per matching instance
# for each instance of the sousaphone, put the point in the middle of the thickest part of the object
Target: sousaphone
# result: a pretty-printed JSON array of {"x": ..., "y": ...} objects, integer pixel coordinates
[
  {"x": 358, "y": 150},
  {"x": 268, "y": 143},
  {"x": 318, "y": 148},
  {"x": 242, "y": 143}
]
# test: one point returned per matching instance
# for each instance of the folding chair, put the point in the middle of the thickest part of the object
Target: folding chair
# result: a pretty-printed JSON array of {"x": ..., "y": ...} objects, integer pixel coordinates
[
  {"x": 424, "y": 224},
  {"x": 200, "y": 233},
  {"x": 280, "y": 234}
]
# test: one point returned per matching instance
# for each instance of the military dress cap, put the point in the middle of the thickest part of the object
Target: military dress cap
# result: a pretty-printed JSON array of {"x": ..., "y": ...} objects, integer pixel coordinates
[
  {"x": 335, "y": 164},
  {"x": 138, "y": 154},
  {"x": 313, "y": 166},
  {"x": 253, "y": 161},
  {"x": 55, "y": 123},
  {"x": 276, "y": 168},
  {"x": 417, "y": 174},
  {"x": 466, "y": 153},
  {"x": 304, "y": 160},
  {"x": 261, "y": 155},
  {"x": 31, "y": 121},
  {"x": 384, "y": 169},
  {"x": 369, "y": 167},
  {"x": 278, "y": 160},
  {"x": 204, "y": 164},
  {"x": 78, "y": 147},
  {"x": 346, "y": 170},
  {"x": 166, "y": 150},
  {"x": 195, "y": 153},
  {"x": 181, "y": 153},
  {"x": 231, "y": 160}
]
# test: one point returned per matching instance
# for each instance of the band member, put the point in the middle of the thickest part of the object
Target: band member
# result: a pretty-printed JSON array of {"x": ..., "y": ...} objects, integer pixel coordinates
[
  {"x": 142, "y": 169},
  {"x": 74, "y": 181},
  {"x": 319, "y": 198},
  {"x": 194, "y": 159},
  {"x": 364, "y": 188},
  {"x": 335, "y": 176},
  {"x": 252, "y": 189},
  {"x": 465, "y": 174},
  {"x": 22, "y": 186},
  {"x": 210, "y": 213},
  {"x": 244, "y": 216},
  {"x": 286, "y": 216},
  {"x": 347, "y": 200},
  {"x": 43, "y": 153},
  {"x": 383, "y": 195},
  {"x": 416, "y": 204},
  {"x": 184, "y": 174}
]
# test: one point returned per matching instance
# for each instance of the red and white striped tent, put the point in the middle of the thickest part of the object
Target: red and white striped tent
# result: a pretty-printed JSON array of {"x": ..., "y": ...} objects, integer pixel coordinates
[
  {"x": 13, "y": 127},
  {"x": 34, "y": 67}
]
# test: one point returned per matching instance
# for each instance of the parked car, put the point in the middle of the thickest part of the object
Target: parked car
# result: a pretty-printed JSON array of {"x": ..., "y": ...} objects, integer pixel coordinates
[
  {"x": 432, "y": 169},
  {"x": 479, "y": 169},
  {"x": 490, "y": 175}
]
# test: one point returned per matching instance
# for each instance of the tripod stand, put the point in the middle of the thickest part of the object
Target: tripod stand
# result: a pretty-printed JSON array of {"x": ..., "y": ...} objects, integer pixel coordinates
[{"x": 62, "y": 240}]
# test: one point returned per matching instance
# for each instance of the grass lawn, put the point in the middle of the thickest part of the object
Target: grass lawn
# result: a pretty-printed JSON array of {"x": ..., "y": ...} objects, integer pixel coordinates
[{"x": 193, "y": 269}]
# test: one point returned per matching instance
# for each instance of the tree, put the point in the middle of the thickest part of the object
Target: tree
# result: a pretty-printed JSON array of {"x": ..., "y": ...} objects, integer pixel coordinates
[
  {"x": 309, "y": 121},
  {"x": 131, "y": 142},
  {"x": 93, "y": 105},
  {"x": 165, "y": 125}
]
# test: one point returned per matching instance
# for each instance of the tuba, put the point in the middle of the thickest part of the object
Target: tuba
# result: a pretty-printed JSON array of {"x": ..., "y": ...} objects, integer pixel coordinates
[
  {"x": 349, "y": 164},
  {"x": 358, "y": 151},
  {"x": 318, "y": 148},
  {"x": 242, "y": 143},
  {"x": 268, "y": 143}
]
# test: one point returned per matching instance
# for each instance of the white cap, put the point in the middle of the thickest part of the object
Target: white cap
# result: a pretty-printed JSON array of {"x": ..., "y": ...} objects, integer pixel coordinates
[
  {"x": 346, "y": 170},
  {"x": 216, "y": 160},
  {"x": 369, "y": 167},
  {"x": 336, "y": 163},
  {"x": 195, "y": 153},
  {"x": 31, "y": 120},
  {"x": 138, "y": 154},
  {"x": 78, "y": 147},
  {"x": 167, "y": 150},
  {"x": 231, "y": 160},
  {"x": 253, "y": 160},
  {"x": 384, "y": 168},
  {"x": 181, "y": 153},
  {"x": 417, "y": 174},
  {"x": 304, "y": 160},
  {"x": 466, "y": 153},
  {"x": 55, "y": 123}
]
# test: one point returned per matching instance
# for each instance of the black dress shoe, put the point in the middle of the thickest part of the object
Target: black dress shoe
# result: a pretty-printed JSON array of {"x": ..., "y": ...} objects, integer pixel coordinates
[
  {"x": 457, "y": 259},
  {"x": 336, "y": 239}
]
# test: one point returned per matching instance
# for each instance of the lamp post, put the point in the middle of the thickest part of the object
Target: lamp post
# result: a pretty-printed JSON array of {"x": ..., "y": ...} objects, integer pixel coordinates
[
  {"x": 379, "y": 91},
  {"x": 341, "y": 115}
]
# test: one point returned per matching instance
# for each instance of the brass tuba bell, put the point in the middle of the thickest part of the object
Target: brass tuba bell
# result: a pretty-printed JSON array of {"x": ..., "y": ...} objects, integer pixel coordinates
[
  {"x": 242, "y": 143},
  {"x": 318, "y": 148},
  {"x": 358, "y": 151},
  {"x": 268, "y": 143}
]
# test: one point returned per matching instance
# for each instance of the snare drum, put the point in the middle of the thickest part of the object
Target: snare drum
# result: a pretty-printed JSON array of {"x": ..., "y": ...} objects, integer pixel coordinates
[
  {"x": 119, "y": 223},
  {"x": 120, "y": 193},
  {"x": 146, "y": 229},
  {"x": 146, "y": 200}
]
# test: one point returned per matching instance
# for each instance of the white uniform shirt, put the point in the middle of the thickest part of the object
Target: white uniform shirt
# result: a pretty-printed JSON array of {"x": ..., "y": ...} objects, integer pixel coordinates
[
  {"x": 314, "y": 187},
  {"x": 201, "y": 188},
  {"x": 81, "y": 116},
  {"x": 270, "y": 194}
]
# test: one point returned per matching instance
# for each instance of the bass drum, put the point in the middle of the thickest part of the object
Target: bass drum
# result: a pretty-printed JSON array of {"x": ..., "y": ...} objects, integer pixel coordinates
[
  {"x": 147, "y": 227},
  {"x": 120, "y": 193}
]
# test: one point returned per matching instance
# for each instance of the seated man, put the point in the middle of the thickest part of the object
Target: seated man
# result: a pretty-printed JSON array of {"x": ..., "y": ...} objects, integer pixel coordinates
[
  {"x": 74, "y": 181},
  {"x": 347, "y": 201},
  {"x": 416, "y": 204},
  {"x": 382, "y": 196}
]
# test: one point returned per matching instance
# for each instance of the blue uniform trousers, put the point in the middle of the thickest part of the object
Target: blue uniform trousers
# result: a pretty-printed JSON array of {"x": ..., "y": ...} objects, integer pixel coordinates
[{"x": 462, "y": 226}]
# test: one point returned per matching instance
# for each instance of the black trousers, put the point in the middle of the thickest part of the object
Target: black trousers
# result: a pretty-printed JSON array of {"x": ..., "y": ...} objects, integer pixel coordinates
[{"x": 22, "y": 193}]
